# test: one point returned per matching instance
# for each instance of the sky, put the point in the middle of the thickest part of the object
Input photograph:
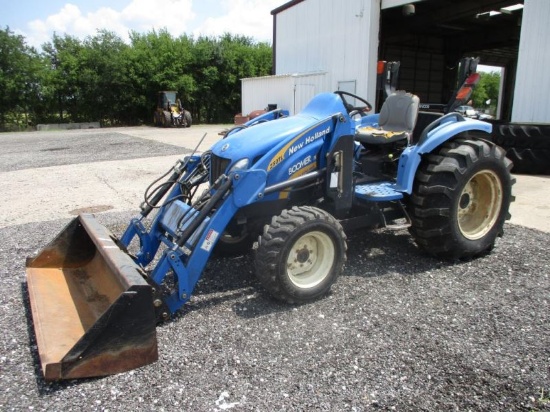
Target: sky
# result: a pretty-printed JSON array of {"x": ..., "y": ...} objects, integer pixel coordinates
[{"x": 37, "y": 20}]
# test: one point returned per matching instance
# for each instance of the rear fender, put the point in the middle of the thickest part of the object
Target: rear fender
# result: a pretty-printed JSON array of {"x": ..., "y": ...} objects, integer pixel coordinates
[{"x": 437, "y": 133}]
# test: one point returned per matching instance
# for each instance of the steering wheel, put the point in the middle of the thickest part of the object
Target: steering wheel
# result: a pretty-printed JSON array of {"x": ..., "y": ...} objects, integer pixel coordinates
[{"x": 353, "y": 110}]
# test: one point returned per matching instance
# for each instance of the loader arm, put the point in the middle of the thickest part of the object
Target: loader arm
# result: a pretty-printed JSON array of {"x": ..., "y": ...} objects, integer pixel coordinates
[
  {"x": 93, "y": 306},
  {"x": 188, "y": 173},
  {"x": 189, "y": 234}
]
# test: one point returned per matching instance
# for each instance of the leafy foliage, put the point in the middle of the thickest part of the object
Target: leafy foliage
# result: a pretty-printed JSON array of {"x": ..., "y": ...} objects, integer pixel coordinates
[
  {"x": 101, "y": 78},
  {"x": 485, "y": 94},
  {"x": 20, "y": 69}
]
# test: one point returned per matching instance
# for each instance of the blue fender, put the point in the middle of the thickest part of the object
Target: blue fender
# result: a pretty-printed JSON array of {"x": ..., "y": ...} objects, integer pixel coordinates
[{"x": 437, "y": 133}]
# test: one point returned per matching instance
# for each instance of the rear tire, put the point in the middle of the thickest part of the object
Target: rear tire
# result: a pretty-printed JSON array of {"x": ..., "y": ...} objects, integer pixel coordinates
[
  {"x": 188, "y": 119},
  {"x": 300, "y": 254},
  {"x": 461, "y": 198}
]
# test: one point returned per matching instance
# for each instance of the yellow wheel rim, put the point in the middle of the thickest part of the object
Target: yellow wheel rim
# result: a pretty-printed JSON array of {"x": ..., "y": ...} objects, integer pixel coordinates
[{"x": 479, "y": 204}]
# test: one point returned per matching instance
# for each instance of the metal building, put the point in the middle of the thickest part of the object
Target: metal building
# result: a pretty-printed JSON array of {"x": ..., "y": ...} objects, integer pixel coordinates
[
  {"x": 326, "y": 45},
  {"x": 532, "y": 86}
]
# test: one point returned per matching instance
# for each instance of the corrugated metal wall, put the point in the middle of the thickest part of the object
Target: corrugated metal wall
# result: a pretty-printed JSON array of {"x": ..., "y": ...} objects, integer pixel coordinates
[
  {"x": 532, "y": 91},
  {"x": 340, "y": 38}
]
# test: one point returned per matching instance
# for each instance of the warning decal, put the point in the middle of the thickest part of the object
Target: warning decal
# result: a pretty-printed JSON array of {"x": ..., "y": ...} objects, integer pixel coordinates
[{"x": 209, "y": 240}]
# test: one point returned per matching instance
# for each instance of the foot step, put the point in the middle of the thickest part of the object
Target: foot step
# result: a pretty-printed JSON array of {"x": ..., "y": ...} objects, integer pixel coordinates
[
  {"x": 378, "y": 192},
  {"x": 399, "y": 226}
]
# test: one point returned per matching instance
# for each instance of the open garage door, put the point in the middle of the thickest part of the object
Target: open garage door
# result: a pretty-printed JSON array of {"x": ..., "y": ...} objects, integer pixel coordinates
[{"x": 430, "y": 37}]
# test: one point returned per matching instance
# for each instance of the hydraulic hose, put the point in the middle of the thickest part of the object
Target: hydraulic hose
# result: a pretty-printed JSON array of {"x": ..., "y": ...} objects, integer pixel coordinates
[{"x": 205, "y": 211}]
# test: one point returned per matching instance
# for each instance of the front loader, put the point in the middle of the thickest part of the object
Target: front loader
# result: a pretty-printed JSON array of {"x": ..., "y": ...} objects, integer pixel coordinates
[{"x": 288, "y": 187}]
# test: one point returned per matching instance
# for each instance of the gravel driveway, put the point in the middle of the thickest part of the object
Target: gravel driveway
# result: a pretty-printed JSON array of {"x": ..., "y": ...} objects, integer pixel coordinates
[{"x": 400, "y": 331}]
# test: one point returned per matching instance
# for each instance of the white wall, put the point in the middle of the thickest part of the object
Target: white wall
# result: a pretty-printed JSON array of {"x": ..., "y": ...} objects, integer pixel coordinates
[
  {"x": 531, "y": 98},
  {"x": 339, "y": 38},
  {"x": 289, "y": 92},
  {"x": 258, "y": 92}
]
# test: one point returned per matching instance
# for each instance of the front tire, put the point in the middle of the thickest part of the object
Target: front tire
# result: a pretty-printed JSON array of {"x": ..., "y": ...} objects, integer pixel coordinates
[
  {"x": 300, "y": 254},
  {"x": 461, "y": 198},
  {"x": 166, "y": 119},
  {"x": 234, "y": 242}
]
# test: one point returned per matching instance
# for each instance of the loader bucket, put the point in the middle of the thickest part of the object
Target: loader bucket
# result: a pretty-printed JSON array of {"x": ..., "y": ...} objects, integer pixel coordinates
[{"x": 92, "y": 309}]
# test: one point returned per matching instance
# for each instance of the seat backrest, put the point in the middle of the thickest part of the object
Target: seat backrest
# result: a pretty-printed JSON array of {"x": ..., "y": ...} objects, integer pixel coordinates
[{"x": 399, "y": 112}]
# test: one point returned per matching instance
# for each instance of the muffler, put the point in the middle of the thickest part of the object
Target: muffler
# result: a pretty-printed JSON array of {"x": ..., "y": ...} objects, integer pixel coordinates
[{"x": 92, "y": 309}]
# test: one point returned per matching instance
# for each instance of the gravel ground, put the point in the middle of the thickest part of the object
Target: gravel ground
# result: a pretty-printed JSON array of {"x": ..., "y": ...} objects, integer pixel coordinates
[
  {"x": 74, "y": 148},
  {"x": 400, "y": 331}
]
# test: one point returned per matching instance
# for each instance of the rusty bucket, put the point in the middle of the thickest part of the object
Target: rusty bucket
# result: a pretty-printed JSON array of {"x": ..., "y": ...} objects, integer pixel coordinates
[{"x": 92, "y": 309}]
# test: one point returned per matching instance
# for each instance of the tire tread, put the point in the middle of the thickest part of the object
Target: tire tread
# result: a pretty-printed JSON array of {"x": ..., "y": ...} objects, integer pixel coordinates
[{"x": 273, "y": 239}]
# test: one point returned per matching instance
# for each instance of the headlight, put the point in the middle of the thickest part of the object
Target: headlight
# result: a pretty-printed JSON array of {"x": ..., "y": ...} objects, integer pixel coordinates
[{"x": 239, "y": 165}]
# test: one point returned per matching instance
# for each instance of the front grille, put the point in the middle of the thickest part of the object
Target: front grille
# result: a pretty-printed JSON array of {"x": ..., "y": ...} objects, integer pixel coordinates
[{"x": 218, "y": 166}]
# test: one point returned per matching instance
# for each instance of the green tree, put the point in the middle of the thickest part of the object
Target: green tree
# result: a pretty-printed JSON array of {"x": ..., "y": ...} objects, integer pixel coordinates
[
  {"x": 218, "y": 67},
  {"x": 87, "y": 80},
  {"x": 157, "y": 61},
  {"x": 102, "y": 83},
  {"x": 487, "y": 90},
  {"x": 63, "y": 54},
  {"x": 19, "y": 79},
  {"x": 241, "y": 58},
  {"x": 101, "y": 78}
]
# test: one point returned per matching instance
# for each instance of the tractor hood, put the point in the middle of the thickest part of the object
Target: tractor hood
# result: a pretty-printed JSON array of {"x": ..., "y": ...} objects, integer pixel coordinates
[{"x": 257, "y": 140}]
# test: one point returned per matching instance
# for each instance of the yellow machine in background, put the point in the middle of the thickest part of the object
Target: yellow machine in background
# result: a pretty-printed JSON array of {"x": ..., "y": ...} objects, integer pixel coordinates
[{"x": 170, "y": 112}]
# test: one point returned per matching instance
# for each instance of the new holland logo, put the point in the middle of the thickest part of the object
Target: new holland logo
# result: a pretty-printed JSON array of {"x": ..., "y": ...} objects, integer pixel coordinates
[{"x": 296, "y": 144}]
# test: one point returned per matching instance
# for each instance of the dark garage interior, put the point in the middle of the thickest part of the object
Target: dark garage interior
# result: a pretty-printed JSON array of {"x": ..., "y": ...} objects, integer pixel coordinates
[{"x": 429, "y": 38}]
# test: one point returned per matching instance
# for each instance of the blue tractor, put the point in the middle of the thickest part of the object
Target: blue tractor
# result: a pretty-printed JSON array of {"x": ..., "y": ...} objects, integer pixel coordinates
[{"x": 288, "y": 187}]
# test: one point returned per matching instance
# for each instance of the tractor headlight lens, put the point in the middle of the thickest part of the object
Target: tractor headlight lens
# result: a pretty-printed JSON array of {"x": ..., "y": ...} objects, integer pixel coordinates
[{"x": 239, "y": 165}]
